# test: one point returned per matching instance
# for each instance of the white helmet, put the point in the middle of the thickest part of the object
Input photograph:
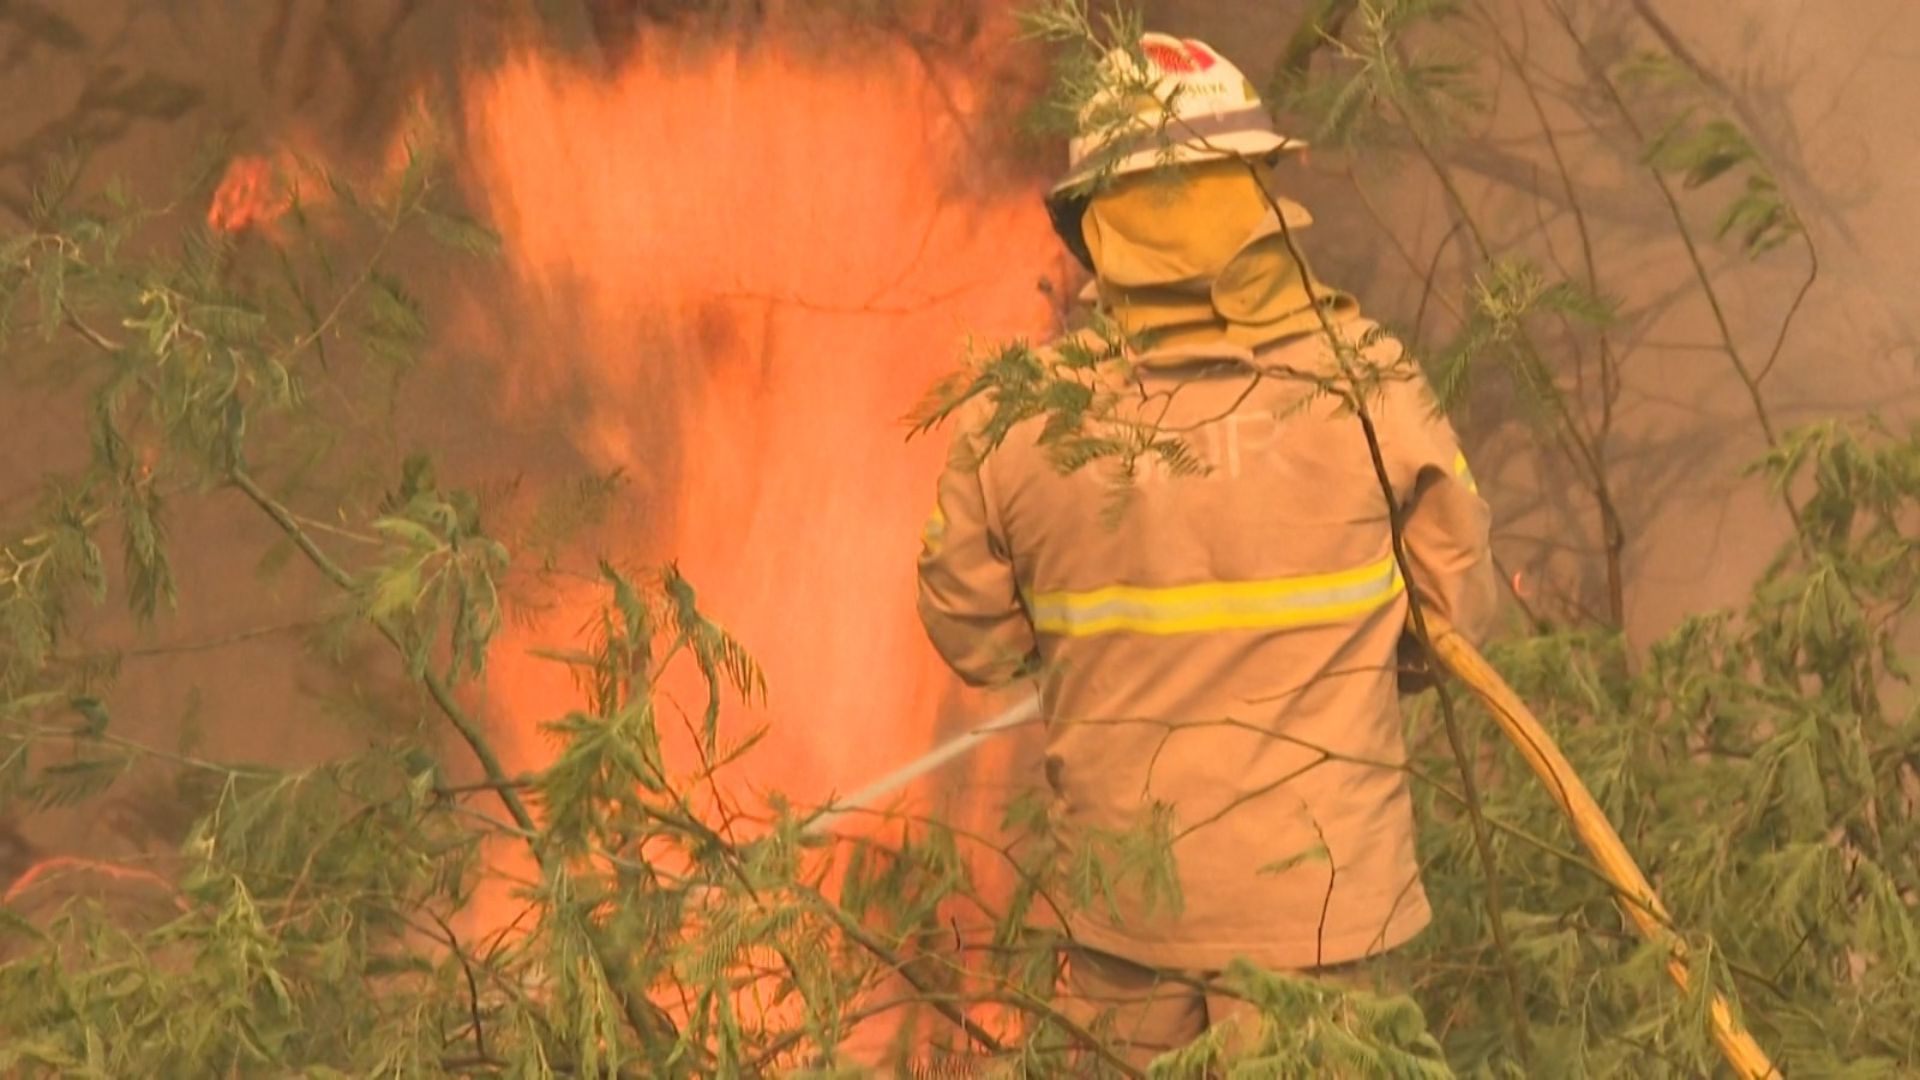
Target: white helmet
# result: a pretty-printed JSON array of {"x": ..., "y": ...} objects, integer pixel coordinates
[{"x": 1201, "y": 109}]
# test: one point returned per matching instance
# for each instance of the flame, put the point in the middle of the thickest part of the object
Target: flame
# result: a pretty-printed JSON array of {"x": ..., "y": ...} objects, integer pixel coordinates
[
  {"x": 754, "y": 264},
  {"x": 257, "y": 191},
  {"x": 249, "y": 194},
  {"x": 744, "y": 267}
]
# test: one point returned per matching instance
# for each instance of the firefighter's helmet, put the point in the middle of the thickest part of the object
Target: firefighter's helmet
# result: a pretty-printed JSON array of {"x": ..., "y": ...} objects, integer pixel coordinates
[{"x": 1189, "y": 104}]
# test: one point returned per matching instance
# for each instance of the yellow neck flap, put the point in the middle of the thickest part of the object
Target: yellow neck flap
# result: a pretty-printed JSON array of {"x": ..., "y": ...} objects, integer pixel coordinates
[{"x": 1197, "y": 256}]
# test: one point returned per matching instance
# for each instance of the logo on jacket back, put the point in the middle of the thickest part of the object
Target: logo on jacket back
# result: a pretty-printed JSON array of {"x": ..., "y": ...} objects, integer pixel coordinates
[{"x": 1228, "y": 446}]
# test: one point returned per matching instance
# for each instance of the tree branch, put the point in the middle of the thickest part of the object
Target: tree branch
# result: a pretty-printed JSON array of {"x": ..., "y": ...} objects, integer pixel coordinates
[
  {"x": 1730, "y": 344},
  {"x": 1321, "y": 24},
  {"x": 862, "y": 937},
  {"x": 649, "y": 1021}
]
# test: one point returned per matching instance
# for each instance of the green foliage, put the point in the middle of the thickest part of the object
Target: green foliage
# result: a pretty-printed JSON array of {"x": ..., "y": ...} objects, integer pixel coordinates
[
  {"x": 1506, "y": 297},
  {"x": 1103, "y": 86},
  {"x": 1381, "y": 1036},
  {"x": 1085, "y": 40},
  {"x": 439, "y": 578},
  {"x": 1699, "y": 147},
  {"x": 1136, "y": 861},
  {"x": 1381, "y": 86},
  {"x": 1073, "y": 387}
]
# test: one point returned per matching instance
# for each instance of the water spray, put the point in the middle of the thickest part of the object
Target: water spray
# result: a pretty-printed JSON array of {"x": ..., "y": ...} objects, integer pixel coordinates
[{"x": 1020, "y": 715}]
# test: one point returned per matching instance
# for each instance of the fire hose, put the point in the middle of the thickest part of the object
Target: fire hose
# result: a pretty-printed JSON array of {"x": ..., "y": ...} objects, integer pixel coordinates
[
  {"x": 1596, "y": 833},
  {"x": 1637, "y": 897}
]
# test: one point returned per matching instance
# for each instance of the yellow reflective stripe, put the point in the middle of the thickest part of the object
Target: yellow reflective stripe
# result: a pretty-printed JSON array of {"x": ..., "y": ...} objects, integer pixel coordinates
[
  {"x": 1465, "y": 474},
  {"x": 1274, "y": 603},
  {"x": 935, "y": 530}
]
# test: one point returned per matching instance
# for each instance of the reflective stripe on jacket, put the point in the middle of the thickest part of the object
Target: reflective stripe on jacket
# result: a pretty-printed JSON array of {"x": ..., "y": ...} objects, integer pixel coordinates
[
  {"x": 1225, "y": 646},
  {"x": 1219, "y": 605}
]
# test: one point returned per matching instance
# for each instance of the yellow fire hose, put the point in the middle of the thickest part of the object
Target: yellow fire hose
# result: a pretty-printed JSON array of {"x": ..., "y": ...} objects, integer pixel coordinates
[{"x": 1595, "y": 832}]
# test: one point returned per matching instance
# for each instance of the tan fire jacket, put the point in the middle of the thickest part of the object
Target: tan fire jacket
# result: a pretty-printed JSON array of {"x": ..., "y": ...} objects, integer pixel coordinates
[{"x": 1226, "y": 650}]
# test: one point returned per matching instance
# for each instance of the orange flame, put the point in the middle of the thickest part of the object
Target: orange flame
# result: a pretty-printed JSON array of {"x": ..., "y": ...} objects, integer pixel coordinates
[
  {"x": 249, "y": 195},
  {"x": 772, "y": 260},
  {"x": 743, "y": 267}
]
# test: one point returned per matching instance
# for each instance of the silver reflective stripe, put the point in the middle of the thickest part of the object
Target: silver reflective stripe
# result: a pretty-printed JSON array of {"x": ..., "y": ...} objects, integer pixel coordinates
[{"x": 1146, "y": 132}]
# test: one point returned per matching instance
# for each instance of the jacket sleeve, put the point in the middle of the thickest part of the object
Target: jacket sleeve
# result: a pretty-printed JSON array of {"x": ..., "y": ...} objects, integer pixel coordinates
[
  {"x": 1444, "y": 521},
  {"x": 969, "y": 599}
]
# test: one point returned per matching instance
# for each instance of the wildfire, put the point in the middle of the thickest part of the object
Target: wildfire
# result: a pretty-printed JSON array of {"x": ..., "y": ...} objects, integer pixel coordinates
[
  {"x": 257, "y": 191},
  {"x": 752, "y": 265},
  {"x": 250, "y": 194},
  {"x": 743, "y": 267}
]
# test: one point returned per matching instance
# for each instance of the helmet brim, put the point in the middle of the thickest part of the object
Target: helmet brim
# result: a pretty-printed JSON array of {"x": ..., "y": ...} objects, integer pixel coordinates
[{"x": 1249, "y": 143}]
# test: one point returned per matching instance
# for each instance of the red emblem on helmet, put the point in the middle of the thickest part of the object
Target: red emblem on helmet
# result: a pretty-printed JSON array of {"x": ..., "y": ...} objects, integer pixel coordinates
[{"x": 1182, "y": 58}]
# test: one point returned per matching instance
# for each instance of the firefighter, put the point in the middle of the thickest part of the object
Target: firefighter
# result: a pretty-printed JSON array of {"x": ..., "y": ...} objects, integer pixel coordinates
[{"x": 1220, "y": 655}]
